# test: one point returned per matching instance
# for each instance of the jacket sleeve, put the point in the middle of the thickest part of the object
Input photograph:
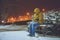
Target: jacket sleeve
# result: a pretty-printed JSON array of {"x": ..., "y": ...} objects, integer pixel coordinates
[{"x": 41, "y": 18}]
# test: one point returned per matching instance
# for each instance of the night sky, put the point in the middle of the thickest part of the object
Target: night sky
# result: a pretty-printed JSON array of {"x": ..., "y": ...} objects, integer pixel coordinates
[{"x": 20, "y": 7}]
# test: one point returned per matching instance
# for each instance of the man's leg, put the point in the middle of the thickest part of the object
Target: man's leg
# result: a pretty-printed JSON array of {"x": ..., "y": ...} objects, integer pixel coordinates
[{"x": 32, "y": 29}]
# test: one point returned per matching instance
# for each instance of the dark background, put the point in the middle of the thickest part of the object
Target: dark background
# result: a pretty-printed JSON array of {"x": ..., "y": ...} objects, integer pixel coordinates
[{"x": 20, "y": 7}]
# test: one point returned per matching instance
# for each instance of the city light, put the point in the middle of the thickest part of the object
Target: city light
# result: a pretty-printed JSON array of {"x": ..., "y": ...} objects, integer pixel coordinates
[
  {"x": 20, "y": 18},
  {"x": 43, "y": 9}
]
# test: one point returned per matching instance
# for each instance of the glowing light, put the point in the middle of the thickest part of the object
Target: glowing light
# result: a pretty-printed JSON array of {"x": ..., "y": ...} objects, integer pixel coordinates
[
  {"x": 11, "y": 19},
  {"x": 28, "y": 13},
  {"x": 20, "y": 18},
  {"x": 43, "y": 9},
  {"x": 3, "y": 21}
]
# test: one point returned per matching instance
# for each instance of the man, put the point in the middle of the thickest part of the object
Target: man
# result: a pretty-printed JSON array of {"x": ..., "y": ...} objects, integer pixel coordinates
[{"x": 37, "y": 19}]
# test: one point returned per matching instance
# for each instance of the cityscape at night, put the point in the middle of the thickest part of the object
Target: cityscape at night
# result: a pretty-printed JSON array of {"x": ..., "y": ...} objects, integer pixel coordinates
[
  {"x": 15, "y": 8},
  {"x": 19, "y": 18}
]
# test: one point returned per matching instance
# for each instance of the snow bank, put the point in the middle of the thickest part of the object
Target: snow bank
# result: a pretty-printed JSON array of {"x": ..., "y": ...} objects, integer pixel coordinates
[{"x": 12, "y": 27}]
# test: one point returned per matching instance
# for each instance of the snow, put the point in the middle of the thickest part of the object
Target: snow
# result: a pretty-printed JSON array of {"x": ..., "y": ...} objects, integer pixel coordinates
[
  {"x": 22, "y": 35},
  {"x": 12, "y": 27},
  {"x": 3, "y": 26}
]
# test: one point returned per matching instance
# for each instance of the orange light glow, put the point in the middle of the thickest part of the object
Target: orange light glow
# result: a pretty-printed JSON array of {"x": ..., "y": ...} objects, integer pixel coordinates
[
  {"x": 28, "y": 13},
  {"x": 11, "y": 19},
  {"x": 20, "y": 18}
]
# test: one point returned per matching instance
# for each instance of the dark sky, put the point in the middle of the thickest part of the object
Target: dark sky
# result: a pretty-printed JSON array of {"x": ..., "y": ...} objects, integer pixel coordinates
[{"x": 20, "y": 7}]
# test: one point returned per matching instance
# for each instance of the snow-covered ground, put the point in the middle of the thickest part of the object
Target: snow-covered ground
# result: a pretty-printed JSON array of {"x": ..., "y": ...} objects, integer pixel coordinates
[
  {"x": 12, "y": 27},
  {"x": 22, "y": 35}
]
